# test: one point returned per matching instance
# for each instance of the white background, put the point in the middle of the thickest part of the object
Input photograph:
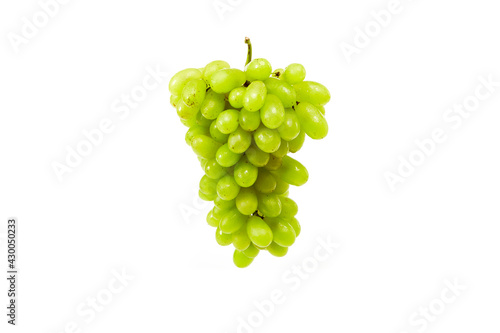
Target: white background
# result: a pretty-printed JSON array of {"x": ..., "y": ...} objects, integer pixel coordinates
[{"x": 121, "y": 207}]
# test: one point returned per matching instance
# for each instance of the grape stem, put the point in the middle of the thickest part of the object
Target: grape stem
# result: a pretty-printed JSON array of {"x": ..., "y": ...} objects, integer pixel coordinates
[{"x": 249, "y": 53}]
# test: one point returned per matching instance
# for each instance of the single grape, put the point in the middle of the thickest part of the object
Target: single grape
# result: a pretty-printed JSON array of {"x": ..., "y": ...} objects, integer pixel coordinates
[
  {"x": 283, "y": 149},
  {"x": 273, "y": 164},
  {"x": 194, "y": 92},
  {"x": 258, "y": 69},
  {"x": 174, "y": 100},
  {"x": 179, "y": 80},
  {"x": 236, "y": 97},
  {"x": 268, "y": 140},
  {"x": 186, "y": 112},
  {"x": 189, "y": 122},
  {"x": 232, "y": 221},
  {"x": 193, "y": 131},
  {"x": 249, "y": 121},
  {"x": 297, "y": 143},
  {"x": 256, "y": 156},
  {"x": 277, "y": 250},
  {"x": 228, "y": 121},
  {"x": 208, "y": 186},
  {"x": 202, "y": 121},
  {"x": 282, "y": 90},
  {"x": 239, "y": 140},
  {"x": 281, "y": 187},
  {"x": 205, "y": 197},
  {"x": 211, "y": 220},
  {"x": 269, "y": 204},
  {"x": 227, "y": 188},
  {"x": 240, "y": 239},
  {"x": 213, "y": 170},
  {"x": 283, "y": 233},
  {"x": 225, "y": 157},
  {"x": 222, "y": 238},
  {"x": 246, "y": 201},
  {"x": 292, "y": 172},
  {"x": 245, "y": 173},
  {"x": 212, "y": 105},
  {"x": 224, "y": 204},
  {"x": 204, "y": 146},
  {"x": 265, "y": 183},
  {"x": 225, "y": 80},
  {"x": 272, "y": 113},
  {"x": 251, "y": 251},
  {"x": 295, "y": 225},
  {"x": 241, "y": 260},
  {"x": 213, "y": 67},
  {"x": 255, "y": 96},
  {"x": 290, "y": 128},
  {"x": 288, "y": 207},
  {"x": 294, "y": 73},
  {"x": 321, "y": 109},
  {"x": 312, "y": 121},
  {"x": 259, "y": 232},
  {"x": 216, "y": 134},
  {"x": 312, "y": 92}
]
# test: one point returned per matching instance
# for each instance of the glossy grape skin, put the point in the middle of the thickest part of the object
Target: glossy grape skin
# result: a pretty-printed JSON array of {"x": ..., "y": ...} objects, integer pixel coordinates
[
  {"x": 208, "y": 186},
  {"x": 274, "y": 163},
  {"x": 294, "y": 73},
  {"x": 277, "y": 250},
  {"x": 272, "y": 113},
  {"x": 282, "y": 90},
  {"x": 202, "y": 121},
  {"x": 290, "y": 128},
  {"x": 321, "y": 109},
  {"x": 281, "y": 187},
  {"x": 295, "y": 225},
  {"x": 213, "y": 67},
  {"x": 312, "y": 92},
  {"x": 240, "y": 239},
  {"x": 211, "y": 220},
  {"x": 218, "y": 213},
  {"x": 258, "y": 69},
  {"x": 283, "y": 149},
  {"x": 213, "y": 170},
  {"x": 283, "y": 233},
  {"x": 224, "y": 204},
  {"x": 174, "y": 100},
  {"x": 186, "y": 112},
  {"x": 249, "y": 121},
  {"x": 251, "y": 251},
  {"x": 259, "y": 232},
  {"x": 232, "y": 221},
  {"x": 225, "y": 157},
  {"x": 223, "y": 239},
  {"x": 268, "y": 140},
  {"x": 227, "y": 188},
  {"x": 225, "y": 80},
  {"x": 205, "y": 197},
  {"x": 255, "y": 96},
  {"x": 216, "y": 134},
  {"x": 188, "y": 122},
  {"x": 292, "y": 172},
  {"x": 312, "y": 121},
  {"x": 204, "y": 146},
  {"x": 228, "y": 121},
  {"x": 265, "y": 183},
  {"x": 245, "y": 173},
  {"x": 241, "y": 260},
  {"x": 289, "y": 207},
  {"x": 179, "y": 80},
  {"x": 236, "y": 97},
  {"x": 194, "y": 92},
  {"x": 256, "y": 156},
  {"x": 212, "y": 105},
  {"x": 239, "y": 140},
  {"x": 269, "y": 204},
  {"x": 297, "y": 143},
  {"x": 193, "y": 131},
  {"x": 246, "y": 201}
]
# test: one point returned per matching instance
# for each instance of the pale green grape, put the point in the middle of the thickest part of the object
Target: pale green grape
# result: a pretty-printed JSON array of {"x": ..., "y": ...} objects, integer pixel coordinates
[
  {"x": 216, "y": 134},
  {"x": 174, "y": 100},
  {"x": 227, "y": 188},
  {"x": 219, "y": 212},
  {"x": 249, "y": 121},
  {"x": 290, "y": 128},
  {"x": 281, "y": 187},
  {"x": 312, "y": 92},
  {"x": 202, "y": 121},
  {"x": 211, "y": 220},
  {"x": 312, "y": 121},
  {"x": 295, "y": 225},
  {"x": 245, "y": 173},
  {"x": 294, "y": 73},
  {"x": 204, "y": 146},
  {"x": 241, "y": 260},
  {"x": 236, "y": 97},
  {"x": 278, "y": 73},
  {"x": 179, "y": 80},
  {"x": 223, "y": 239},
  {"x": 268, "y": 140},
  {"x": 292, "y": 172},
  {"x": 274, "y": 163},
  {"x": 224, "y": 204},
  {"x": 212, "y": 105},
  {"x": 265, "y": 183},
  {"x": 256, "y": 156},
  {"x": 240, "y": 239},
  {"x": 225, "y": 157},
  {"x": 259, "y": 232},
  {"x": 272, "y": 113},
  {"x": 246, "y": 201},
  {"x": 194, "y": 92},
  {"x": 232, "y": 221},
  {"x": 239, "y": 140},
  {"x": 258, "y": 69},
  {"x": 186, "y": 112},
  {"x": 189, "y": 122},
  {"x": 208, "y": 186},
  {"x": 193, "y": 131},
  {"x": 203, "y": 161},
  {"x": 225, "y": 80},
  {"x": 277, "y": 250},
  {"x": 288, "y": 207},
  {"x": 282, "y": 90},
  {"x": 283, "y": 150},
  {"x": 283, "y": 233},
  {"x": 213, "y": 170},
  {"x": 321, "y": 109},
  {"x": 251, "y": 251},
  {"x": 255, "y": 96},
  {"x": 269, "y": 204},
  {"x": 213, "y": 67},
  {"x": 228, "y": 121},
  {"x": 297, "y": 143},
  {"x": 205, "y": 197}
]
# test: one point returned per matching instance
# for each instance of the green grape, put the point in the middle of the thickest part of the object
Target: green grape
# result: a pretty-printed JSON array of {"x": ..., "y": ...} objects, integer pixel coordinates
[
  {"x": 232, "y": 221},
  {"x": 213, "y": 67},
  {"x": 256, "y": 156},
  {"x": 288, "y": 207},
  {"x": 282, "y": 90},
  {"x": 283, "y": 150},
  {"x": 294, "y": 73},
  {"x": 240, "y": 239},
  {"x": 239, "y": 140},
  {"x": 281, "y": 187},
  {"x": 202, "y": 121},
  {"x": 274, "y": 163},
  {"x": 268, "y": 140},
  {"x": 205, "y": 197},
  {"x": 179, "y": 80},
  {"x": 265, "y": 183},
  {"x": 236, "y": 97},
  {"x": 290, "y": 128},
  {"x": 277, "y": 250},
  {"x": 216, "y": 134},
  {"x": 295, "y": 144},
  {"x": 245, "y": 173},
  {"x": 204, "y": 146},
  {"x": 213, "y": 170},
  {"x": 292, "y": 172},
  {"x": 283, "y": 233},
  {"x": 269, "y": 204},
  {"x": 194, "y": 92},
  {"x": 227, "y": 121},
  {"x": 186, "y": 112},
  {"x": 258, "y": 69},
  {"x": 222, "y": 238},
  {"x": 312, "y": 121},
  {"x": 249, "y": 121},
  {"x": 225, "y": 157},
  {"x": 225, "y": 80},
  {"x": 193, "y": 131},
  {"x": 208, "y": 186},
  {"x": 212, "y": 105},
  {"x": 321, "y": 109},
  {"x": 241, "y": 260},
  {"x": 259, "y": 232},
  {"x": 255, "y": 96},
  {"x": 189, "y": 122},
  {"x": 203, "y": 161},
  {"x": 174, "y": 100},
  {"x": 251, "y": 251},
  {"x": 278, "y": 73},
  {"x": 246, "y": 201},
  {"x": 227, "y": 188},
  {"x": 312, "y": 92},
  {"x": 272, "y": 113},
  {"x": 211, "y": 220},
  {"x": 224, "y": 204},
  {"x": 295, "y": 225}
]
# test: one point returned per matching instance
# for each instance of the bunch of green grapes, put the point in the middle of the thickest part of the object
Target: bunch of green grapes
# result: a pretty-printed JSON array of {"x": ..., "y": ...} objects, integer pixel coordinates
[{"x": 242, "y": 125}]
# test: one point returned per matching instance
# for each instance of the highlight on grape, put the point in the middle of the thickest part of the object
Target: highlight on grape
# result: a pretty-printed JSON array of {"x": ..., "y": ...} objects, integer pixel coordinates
[{"x": 242, "y": 126}]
